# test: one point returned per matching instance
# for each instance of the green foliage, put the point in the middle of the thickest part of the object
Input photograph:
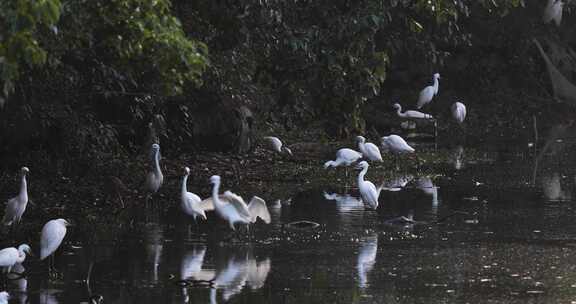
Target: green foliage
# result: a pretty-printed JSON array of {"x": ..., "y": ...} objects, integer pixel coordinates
[
  {"x": 324, "y": 59},
  {"x": 20, "y": 22}
]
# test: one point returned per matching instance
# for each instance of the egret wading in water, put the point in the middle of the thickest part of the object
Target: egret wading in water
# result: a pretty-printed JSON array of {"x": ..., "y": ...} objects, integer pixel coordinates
[
  {"x": 53, "y": 233},
  {"x": 12, "y": 256},
  {"x": 458, "y": 112},
  {"x": 428, "y": 92},
  {"x": 274, "y": 144},
  {"x": 154, "y": 178},
  {"x": 344, "y": 157},
  {"x": 233, "y": 209},
  {"x": 191, "y": 203},
  {"x": 16, "y": 206},
  {"x": 369, "y": 150},
  {"x": 553, "y": 12},
  {"x": 368, "y": 191}
]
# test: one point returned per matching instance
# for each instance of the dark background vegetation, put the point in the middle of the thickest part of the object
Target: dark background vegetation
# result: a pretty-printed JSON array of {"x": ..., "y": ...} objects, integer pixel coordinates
[{"x": 87, "y": 82}]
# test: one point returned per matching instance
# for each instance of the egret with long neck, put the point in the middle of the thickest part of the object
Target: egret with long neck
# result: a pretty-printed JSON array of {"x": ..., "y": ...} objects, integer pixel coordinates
[
  {"x": 16, "y": 206},
  {"x": 367, "y": 189},
  {"x": 429, "y": 92},
  {"x": 190, "y": 202},
  {"x": 154, "y": 178}
]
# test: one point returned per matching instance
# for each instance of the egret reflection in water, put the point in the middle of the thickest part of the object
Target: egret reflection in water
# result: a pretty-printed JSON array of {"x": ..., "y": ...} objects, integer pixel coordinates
[
  {"x": 425, "y": 184},
  {"x": 366, "y": 259},
  {"x": 345, "y": 202}
]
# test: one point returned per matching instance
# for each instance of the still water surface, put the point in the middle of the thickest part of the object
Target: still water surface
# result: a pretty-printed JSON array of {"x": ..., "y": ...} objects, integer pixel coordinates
[{"x": 492, "y": 230}]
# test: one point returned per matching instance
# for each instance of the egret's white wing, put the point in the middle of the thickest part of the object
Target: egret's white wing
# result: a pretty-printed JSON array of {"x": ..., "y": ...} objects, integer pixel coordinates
[
  {"x": 238, "y": 203},
  {"x": 208, "y": 204},
  {"x": 274, "y": 143},
  {"x": 52, "y": 235},
  {"x": 425, "y": 96},
  {"x": 258, "y": 209},
  {"x": 8, "y": 256},
  {"x": 373, "y": 151},
  {"x": 369, "y": 194}
]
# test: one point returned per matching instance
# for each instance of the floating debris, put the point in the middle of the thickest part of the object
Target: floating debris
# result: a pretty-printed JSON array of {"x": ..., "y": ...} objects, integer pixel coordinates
[{"x": 303, "y": 225}]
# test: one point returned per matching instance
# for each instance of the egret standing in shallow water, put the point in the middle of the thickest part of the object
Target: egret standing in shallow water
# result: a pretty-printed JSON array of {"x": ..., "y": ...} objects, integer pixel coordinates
[
  {"x": 191, "y": 203},
  {"x": 11, "y": 256},
  {"x": 369, "y": 150},
  {"x": 233, "y": 209},
  {"x": 367, "y": 189},
  {"x": 154, "y": 178},
  {"x": 274, "y": 144},
  {"x": 344, "y": 157},
  {"x": 53, "y": 233},
  {"x": 428, "y": 92},
  {"x": 458, "y": 111},
  {"x": 16, "y": 206}
]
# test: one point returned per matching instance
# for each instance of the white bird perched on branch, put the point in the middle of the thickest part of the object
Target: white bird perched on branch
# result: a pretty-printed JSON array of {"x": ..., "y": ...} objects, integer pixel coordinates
[
  {"x": 53, "y": 233},
  {"x": 191, "y": 203},
  {"x": 274, "y": 144},
  {"x": 458, "y": 111},
  {"x": 368, "y": 191},
  {"x": 411, "y": 114},
  {"x": 428, "y": 92},
  {"x": 369, "y": 150},
  {"x": 233, "y": 209},
  {"x": 11, "y": 256},
  {"x": 16, "y": 206},
  {"x": 553, "y": 12},
  {"x": 396, "y": 144}
]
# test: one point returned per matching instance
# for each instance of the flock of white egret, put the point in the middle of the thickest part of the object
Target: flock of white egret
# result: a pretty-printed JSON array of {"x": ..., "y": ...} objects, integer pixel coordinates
[{"x": 228, "y": 206}]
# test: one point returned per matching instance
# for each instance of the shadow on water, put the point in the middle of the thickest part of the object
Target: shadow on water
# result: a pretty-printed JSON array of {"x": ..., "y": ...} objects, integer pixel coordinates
[{"x": 497, "y": 228}]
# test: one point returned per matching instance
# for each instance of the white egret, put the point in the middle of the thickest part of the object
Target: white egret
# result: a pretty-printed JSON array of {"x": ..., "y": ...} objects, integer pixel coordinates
[
  {"x": 154, "y": 178},
  {"x": 16, "y": 206},
  {"x": 233, "y": 209},
  {"x": 367, "y": 189},
  {"x": 274, "y": 144},
  {"x": 53, "y": 233},
  {"x": 11, "y": 256},
  {"x": 396, "y": 144},
  {"x": 344, "y": 157},
  {"x": 411, "y": 114},
  {"x": 4, "y": 296},
  {"x": 553, "y": 12},
  {"x": 369, "y": 150},
  {"x": 458, "y": 111},
  {"x": 428, "y": 92},
  {"x": 191, "y": 203}
]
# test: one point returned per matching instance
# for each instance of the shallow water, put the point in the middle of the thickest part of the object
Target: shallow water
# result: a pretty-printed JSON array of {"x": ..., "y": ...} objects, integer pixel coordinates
[{"x": 494, "y": 229}]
